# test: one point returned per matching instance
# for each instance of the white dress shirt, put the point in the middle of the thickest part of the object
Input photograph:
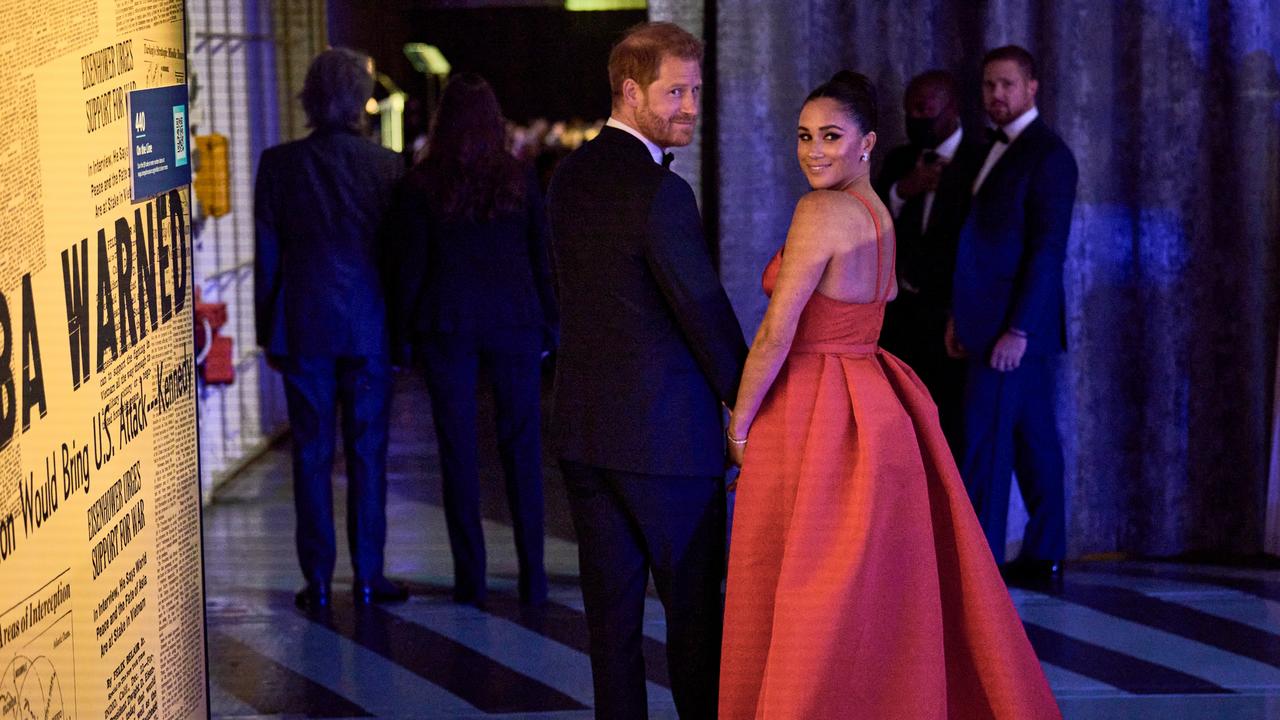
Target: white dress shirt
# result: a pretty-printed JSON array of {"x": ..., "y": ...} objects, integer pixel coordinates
[
  {"x": 946, "y": 150},
  {"x": 654, "y": 150},
  {"x": 1013, "y": 130}
]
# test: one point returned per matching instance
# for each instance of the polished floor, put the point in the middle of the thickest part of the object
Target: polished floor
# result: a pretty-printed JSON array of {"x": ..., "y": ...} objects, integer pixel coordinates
[{"x": 1125, "y": 640}]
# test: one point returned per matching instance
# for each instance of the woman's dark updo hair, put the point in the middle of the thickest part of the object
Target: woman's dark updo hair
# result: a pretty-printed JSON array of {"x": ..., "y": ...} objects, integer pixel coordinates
[{"x": 856, "y": 94}]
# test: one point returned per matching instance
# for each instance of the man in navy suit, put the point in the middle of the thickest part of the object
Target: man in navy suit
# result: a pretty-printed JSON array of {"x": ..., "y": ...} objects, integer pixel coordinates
[
  {"x": 926, "y": 185},
  {"x": 1008, "y": 316},
  {"x": 319, "y": 204},
  {"x": 650, "y": 349}
]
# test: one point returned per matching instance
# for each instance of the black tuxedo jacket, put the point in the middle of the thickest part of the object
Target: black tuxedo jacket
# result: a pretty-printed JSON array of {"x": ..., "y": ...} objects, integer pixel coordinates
[
  {"x": 319, "y": 210},
  {"x": 926, "y": 259},
  {"x": 649, "y": 343},
  {"x": 1013, "y": 244}
]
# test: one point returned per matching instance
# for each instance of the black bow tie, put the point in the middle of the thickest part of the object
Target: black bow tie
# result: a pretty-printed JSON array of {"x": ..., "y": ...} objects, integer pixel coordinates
[
  {"x": 996, "y": 135},
  {"x": 667, "y": 159}
]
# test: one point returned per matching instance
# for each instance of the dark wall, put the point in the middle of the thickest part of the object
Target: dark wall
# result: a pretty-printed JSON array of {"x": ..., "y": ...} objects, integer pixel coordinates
[{"x": 541, "y": 61}]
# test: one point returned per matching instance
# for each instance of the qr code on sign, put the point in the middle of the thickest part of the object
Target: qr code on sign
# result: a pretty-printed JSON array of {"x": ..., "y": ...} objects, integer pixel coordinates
[{"x": 180, "y": 135}]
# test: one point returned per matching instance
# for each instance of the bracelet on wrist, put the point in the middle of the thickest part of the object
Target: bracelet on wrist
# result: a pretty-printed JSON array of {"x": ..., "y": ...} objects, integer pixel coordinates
[
  {"x": 1017, "y": 332},
  {"x": 736, "y": 441}
]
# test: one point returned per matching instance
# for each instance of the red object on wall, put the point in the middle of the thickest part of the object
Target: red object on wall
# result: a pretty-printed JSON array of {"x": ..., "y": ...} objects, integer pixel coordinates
[
  {"x": 219, "y": 367},
  {"x": 214, "y": 353}
]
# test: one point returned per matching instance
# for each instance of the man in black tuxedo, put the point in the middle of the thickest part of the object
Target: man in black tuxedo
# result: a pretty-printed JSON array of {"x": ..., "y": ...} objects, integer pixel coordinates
[
  {"x": 925, "y": 184},
  {"x": 650, "y": 349},
  {"x": 321, "y": 317},
  {"x": 1009, "y": 316}
]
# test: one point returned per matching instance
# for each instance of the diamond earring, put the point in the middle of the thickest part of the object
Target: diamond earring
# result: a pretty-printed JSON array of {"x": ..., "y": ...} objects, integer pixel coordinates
[{"x": 865, "y": 157}]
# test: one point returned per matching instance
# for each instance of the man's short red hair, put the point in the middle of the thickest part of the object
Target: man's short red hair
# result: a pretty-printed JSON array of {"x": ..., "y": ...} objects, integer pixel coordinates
[{"x": 639, "y": 54}]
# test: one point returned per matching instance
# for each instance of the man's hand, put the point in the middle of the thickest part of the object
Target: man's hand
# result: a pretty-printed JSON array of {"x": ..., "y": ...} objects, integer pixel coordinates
[
  {"x": 923, "y": 178},
  {"x": 954, "y": 349},
  {"x": 1008, "y": 352}
]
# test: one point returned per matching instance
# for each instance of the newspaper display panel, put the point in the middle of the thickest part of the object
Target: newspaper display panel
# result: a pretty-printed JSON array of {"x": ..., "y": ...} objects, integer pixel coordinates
[{"x": 101, "y": 589}]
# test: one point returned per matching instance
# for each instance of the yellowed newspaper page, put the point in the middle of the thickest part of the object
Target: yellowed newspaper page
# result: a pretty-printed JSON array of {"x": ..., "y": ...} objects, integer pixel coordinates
[{"x": 101, "y": 590}]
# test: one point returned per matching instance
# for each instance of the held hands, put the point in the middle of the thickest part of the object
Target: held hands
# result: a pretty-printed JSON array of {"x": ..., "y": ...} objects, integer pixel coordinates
[
  {"x": 923, "y": 178},
  {"x": 1009, "y": 349}
]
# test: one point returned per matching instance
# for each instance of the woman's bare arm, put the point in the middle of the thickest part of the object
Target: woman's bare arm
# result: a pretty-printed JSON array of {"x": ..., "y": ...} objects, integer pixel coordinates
[{"x": 815, "y": 234}]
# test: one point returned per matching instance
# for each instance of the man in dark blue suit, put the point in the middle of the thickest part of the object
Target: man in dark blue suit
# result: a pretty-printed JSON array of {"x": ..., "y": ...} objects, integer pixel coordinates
[
  {"x": 321, "y": 317},
  {"x": 650, "y": 349},
  {"x": 1008, "y": 316}
]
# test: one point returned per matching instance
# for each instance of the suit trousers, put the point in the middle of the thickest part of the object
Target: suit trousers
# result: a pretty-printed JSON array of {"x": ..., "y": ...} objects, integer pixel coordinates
[
  {"x": 315, "y": 387},
  {"x": 914, "y": 331},
  {"x": 452, "y": 363},
  {"x": 629, "y": 524},
  {"x": 1010, "y": 426}
]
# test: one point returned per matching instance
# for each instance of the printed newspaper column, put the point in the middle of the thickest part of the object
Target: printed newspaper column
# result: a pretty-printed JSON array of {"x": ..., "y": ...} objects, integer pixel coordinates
[{"x": 101, "y": 592}]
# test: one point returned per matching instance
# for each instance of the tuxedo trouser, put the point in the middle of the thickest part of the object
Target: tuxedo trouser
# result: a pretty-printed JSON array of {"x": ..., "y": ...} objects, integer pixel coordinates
[
  {"x": 629, "y": 524},
  {"x": 1010, "y": 426},
  {"x": 314, "y": 389},
  {"x": 452, "y": 363},
  {"x": 914, "y": 331}
]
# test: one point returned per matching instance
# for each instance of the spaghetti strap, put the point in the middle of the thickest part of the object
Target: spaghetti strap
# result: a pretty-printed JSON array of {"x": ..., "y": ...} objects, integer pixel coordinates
[{"x": 893, "y": 268}]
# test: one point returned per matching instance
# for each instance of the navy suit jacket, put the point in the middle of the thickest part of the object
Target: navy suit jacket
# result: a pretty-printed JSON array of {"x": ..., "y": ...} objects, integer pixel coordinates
[
  {"x": 465, "y": 277},
  {"x": 649, "y": 343},
  {"x": 1013, "y": 244},
  {"x": 319, "y": 207}
]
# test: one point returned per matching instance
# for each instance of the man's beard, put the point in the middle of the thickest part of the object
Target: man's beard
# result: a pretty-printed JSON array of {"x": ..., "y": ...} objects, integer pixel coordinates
[
  {"x": 1001, "y": 113},
  {"x": 662, "y": 131}
]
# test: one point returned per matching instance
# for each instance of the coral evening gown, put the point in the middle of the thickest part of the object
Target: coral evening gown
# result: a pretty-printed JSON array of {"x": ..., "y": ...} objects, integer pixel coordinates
[{"x": 860, "y": 582}]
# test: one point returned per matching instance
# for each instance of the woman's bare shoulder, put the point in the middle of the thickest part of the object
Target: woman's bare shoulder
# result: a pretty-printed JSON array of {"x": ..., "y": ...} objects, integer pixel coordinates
[
  {"x": 834, "y": 215},
  {"x": 825, "y": 200}
]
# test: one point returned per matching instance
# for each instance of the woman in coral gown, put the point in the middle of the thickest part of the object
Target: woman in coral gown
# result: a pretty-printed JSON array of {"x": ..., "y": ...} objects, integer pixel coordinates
[{"x": 860, "y": 583}]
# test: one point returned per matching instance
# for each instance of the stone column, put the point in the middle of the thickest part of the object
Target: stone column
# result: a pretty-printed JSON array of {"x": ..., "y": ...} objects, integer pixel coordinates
[{"x": 689, "y": 15}]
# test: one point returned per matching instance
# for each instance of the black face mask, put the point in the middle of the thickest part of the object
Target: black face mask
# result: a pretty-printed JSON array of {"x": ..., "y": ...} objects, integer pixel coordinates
[{"x": 920, "y": 132}]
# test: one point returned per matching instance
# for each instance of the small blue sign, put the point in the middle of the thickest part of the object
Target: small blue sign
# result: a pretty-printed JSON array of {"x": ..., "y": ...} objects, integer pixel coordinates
[{"x": 158, "y": 141}]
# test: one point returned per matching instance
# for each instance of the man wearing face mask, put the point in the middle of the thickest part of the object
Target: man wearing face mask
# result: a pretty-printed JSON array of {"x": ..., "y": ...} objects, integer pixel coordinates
[{"x": 925, "y": 185}]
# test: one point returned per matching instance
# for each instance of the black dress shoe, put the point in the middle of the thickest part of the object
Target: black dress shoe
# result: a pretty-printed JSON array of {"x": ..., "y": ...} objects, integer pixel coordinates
[
  {"x": 313, "y": 596},
  {"x": 533, "y": 590},
  {"x": 475, "y": 599},
  {"x": 380, "y": 591},
  {"x": 533, "y": 598},
  {"x": 1031, "y": 573}
]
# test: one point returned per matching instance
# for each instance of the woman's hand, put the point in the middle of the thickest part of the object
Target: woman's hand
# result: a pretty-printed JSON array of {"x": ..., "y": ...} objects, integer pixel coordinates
[
  {"x": 736, "y": 439},
  {"x": 736, "y": 452}
]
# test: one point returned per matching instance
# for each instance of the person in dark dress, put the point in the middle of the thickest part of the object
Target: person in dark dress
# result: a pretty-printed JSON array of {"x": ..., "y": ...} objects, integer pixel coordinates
[
  {"x": 319, "y": 208},
  {"x": 472, "y": 291}
]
